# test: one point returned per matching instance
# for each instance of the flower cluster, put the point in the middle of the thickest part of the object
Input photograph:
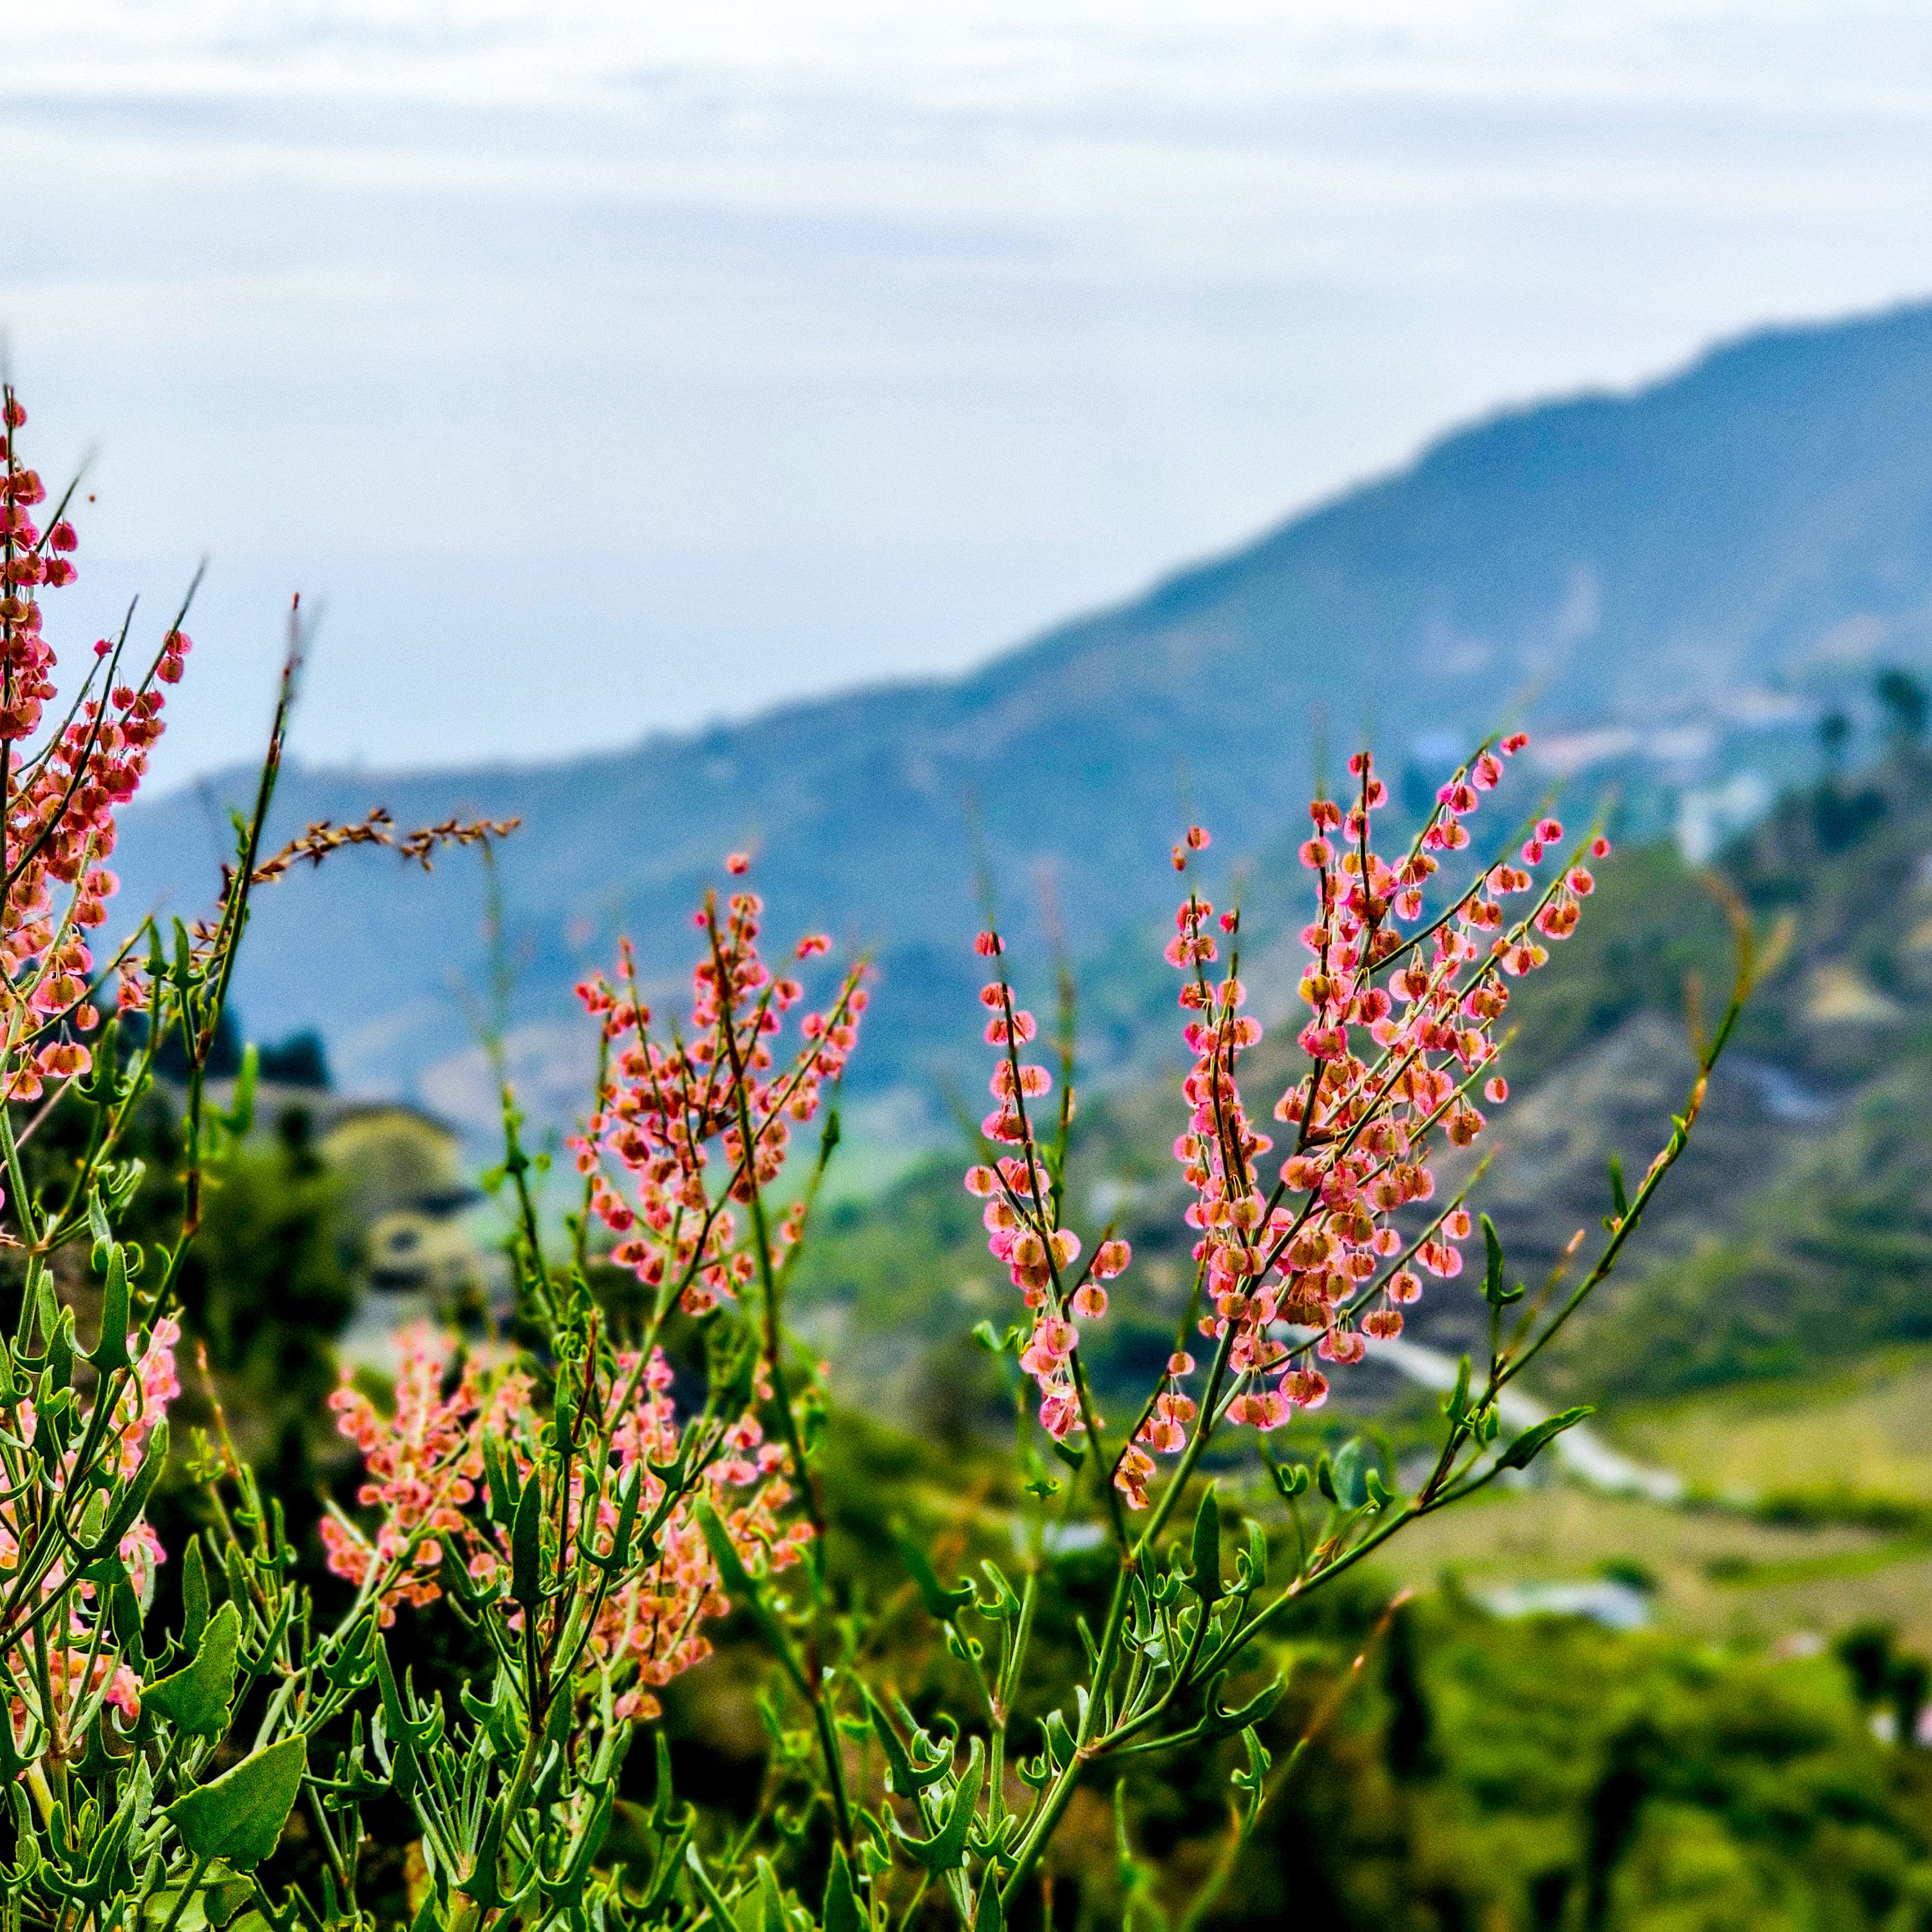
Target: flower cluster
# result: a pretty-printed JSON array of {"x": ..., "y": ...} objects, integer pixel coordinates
[
  {"x": 669, "y": 1097},
  {"x": 1025, "y": 1229},
  {"x": 421, "y": 1466},
  {"x": 57, "y": 802},
  {"x": 424, "y": 1468},
  {"x": 1402, "y": 1004},
  {"x": 81, "y": 1667},
  {"x": 652, "y": 1622}
]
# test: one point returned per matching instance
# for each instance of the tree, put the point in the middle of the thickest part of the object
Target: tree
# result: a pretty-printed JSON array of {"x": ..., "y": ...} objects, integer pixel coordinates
[{"x": 1907, "y": 704}]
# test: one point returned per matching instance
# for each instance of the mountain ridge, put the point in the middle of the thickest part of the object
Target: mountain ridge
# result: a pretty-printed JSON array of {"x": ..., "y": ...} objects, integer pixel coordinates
[{"x": 1753, "y": 523}]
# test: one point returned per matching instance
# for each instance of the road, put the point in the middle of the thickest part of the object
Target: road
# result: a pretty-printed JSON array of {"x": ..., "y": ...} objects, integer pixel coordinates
[{"x": 1582, "y": 1450}]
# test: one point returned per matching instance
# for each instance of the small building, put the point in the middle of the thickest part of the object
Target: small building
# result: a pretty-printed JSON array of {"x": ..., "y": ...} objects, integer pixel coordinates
[{"x": 408, "y": 1202}]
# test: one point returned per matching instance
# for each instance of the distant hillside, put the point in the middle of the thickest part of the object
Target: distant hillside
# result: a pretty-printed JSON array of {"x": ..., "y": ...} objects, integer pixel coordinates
[
  {"x": 1682, "y": 571},
  {"x": 1796, "y": 1230}
]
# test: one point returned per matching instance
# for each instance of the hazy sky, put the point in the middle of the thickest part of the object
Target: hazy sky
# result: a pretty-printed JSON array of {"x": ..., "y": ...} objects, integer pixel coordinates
[{"x": 607, "y": 367}]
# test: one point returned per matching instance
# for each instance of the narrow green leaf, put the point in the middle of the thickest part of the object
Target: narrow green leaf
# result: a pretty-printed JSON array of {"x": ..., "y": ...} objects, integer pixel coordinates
[
  {"x": 194, "y": 1593},
  {"x": 240, "y": 1816},
  {"x": 905, "y": 1779},
  {"x": 110, "y": 1351},
  {"x": 628, "y": 1495},
  {"x": 945, "y": 1849},
  {"x": 1346, "y": 1475},
  {"x": 1494, "y": 1292},
  {"x": 97, "y": 1228},
  {"x": 483, "y": 1884},
  {"x": 1532, "y": 1442},
  {"x": 1208, "y": 1548},
  {"x": 134, "y": 1497},
  {"x": 526, "y": 1547},
  {"x": 1257, "y": 1555},
  {"x": 708, "y": 1891},
  {"x": 988, "y": 1914},
  {"x": 124, "y": 1610},
  {"x": 771, "y": 1901},
  {"x": 942, "y": 1605},
  {"x": 740, "y": 1587},
  {"x": 241, "y": 1117},
  {"x": 405, "y": 1767},
  {"x": 1220, "y": 1723},
  {"x": 500, "y": 1473},
  {"x": 840, "y": 1911},
  {"x": 1292, "y": 1481}
]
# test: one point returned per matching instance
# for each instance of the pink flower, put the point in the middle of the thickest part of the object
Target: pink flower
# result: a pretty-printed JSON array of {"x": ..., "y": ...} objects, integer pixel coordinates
[{"x": 1395, "y": 1033}]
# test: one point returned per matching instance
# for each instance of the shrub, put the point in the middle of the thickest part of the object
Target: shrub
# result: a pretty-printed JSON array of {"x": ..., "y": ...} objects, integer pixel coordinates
[{"x": 587, "y": 1503}]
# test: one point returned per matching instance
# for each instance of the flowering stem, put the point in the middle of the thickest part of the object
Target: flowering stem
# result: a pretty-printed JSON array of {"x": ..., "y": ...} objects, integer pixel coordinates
[{"x": 814, "y": 1675}]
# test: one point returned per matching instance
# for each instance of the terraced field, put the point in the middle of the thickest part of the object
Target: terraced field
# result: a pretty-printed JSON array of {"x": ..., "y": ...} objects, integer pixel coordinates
[{"x": 1814, "y": 1512}]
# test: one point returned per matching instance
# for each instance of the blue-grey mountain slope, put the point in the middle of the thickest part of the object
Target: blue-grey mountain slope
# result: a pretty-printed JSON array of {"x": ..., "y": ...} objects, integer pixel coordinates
[{"x": 1684, "y": 564}]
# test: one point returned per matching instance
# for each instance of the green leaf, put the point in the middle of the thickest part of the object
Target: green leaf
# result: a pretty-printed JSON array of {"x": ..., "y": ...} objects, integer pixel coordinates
[
  {"x": 1258, "y": 1557},
  {"x": 240, "y": 1117},
  {"x": 1494, "y": 1292},
  {"x": 1220, "y": 1723},
  {"x": 60, "y": 1348},
  {"x": 840, "y": 1911},
  {"x": 1292, "y": 1481},
  {"x": 405, "y": 1764},
  {"x": 214, "y": 1903},
  {"x": 196, "y": 1698},
  {"x": 194, "y": 1593},
  {"x": 942, "y": 1605},
  {"x": 240, "y": 1816},
  {"x": 110, "y": 1351},
  {"x": 1529, "y": 1444},
  {"x": 124, "y": 1612},
  {"x": 526, "y": 1547},
  {"x": 708, "y": 1891},
  {"x": 482, "y": 1884},
  {"x": 1346, "y": 1475},
  {"x": 98, "y": 1227},
  {"x": 905, "y": 1778},
  {"x": 500, "y": 1473},
  {"x": 946, "y": 1848},
  {"x": 771, "y": 1901},
  {"x": 629, "y": 1492},
  {"x": 134, "y": 1497},
  {"x": 1456, "y": 1403},
  {"x": 988, "y": 1915},
  {"x": 1208, "y": 1548},
  {"x": 739, "y": 1587}
]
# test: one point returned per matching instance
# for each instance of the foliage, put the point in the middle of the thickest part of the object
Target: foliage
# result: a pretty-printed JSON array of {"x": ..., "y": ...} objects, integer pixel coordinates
[{"x": 1575, "y": 1779}]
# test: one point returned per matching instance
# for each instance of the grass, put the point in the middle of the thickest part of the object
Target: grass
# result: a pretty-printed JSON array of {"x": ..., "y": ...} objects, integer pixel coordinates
[
  {"x": 1865, "y": 1430},
  {"x": 1845, "y": 1450},
  {"x": 1722, "y": 1576}
]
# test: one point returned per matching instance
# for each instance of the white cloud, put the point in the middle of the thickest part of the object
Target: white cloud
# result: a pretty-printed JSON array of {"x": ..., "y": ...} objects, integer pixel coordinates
[{"x": 827, "y": 339}]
